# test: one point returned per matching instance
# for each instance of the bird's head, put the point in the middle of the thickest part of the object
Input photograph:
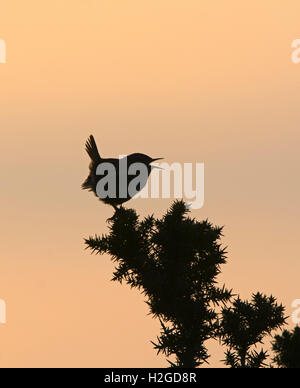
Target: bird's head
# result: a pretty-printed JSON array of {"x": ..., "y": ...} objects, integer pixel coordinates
[{"x": 142, "y": 158}]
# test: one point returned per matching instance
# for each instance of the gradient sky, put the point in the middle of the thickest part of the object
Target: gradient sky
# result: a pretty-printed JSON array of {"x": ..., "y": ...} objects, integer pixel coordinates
[{"x": 192, "y": 81}]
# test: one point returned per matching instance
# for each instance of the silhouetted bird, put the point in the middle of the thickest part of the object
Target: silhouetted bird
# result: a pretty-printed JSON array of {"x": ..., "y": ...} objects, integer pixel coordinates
[{"x": 115, "y": 198}]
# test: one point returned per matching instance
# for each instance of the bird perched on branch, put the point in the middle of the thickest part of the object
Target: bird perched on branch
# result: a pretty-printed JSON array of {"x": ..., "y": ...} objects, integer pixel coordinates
[{"x": 115, "y": 181}]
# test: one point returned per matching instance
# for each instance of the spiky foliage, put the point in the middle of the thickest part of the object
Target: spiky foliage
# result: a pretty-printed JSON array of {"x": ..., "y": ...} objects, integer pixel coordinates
[
  {"x": 245, "y": 324},
  {"x": 175, "y": 262},
  {"x": 287, "y": 349}
]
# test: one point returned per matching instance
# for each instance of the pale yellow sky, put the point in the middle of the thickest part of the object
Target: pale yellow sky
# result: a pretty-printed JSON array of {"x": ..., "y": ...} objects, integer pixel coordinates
[{"x": 192, "y": 81}]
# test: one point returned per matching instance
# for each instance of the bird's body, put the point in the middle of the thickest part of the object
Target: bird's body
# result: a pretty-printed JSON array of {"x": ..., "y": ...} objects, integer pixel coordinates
[{"x": 124, "y": 168}]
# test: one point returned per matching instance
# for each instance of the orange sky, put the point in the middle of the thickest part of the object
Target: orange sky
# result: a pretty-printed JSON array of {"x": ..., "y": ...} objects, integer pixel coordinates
[{"x": 189, "y": 81}]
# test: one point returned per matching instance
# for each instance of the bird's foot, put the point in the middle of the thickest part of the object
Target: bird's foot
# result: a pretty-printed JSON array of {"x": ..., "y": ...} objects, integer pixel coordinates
[
  {"x": 111, "y": 219},
  {"x": 117, "y": 209}
]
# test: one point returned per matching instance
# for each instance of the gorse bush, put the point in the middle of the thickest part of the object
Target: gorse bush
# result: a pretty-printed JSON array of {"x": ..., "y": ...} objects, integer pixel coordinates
[
  {"x": 287, "y": 349},
  {"x": 175, "y": 261}
]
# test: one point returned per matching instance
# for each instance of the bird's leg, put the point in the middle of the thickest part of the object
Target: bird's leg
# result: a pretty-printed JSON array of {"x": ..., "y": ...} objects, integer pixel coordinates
[{"x": 114, "y": 215}]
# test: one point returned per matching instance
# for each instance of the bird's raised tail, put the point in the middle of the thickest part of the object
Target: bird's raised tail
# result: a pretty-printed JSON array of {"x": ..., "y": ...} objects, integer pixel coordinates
[{"x": 91, "y": 149}]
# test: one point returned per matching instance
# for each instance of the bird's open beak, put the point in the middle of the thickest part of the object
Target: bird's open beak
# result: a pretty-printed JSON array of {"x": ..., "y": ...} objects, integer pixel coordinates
[
  {"x": 154, "y": 160},
  {"x": 159, "y": 168}
]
